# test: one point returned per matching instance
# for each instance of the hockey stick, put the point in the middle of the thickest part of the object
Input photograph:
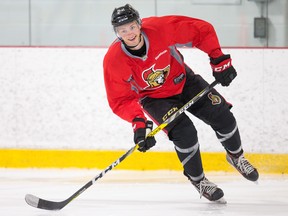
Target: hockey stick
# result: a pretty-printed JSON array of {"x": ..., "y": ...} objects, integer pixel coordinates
[{"x": 53, "y": 205}]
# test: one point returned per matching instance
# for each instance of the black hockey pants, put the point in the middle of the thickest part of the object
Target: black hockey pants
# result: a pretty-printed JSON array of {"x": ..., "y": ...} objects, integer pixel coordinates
[{"x": 212, "y": 109}]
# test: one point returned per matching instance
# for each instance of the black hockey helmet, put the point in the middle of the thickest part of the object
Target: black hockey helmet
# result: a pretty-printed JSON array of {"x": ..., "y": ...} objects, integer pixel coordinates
[{"x": 123, "y": 15}]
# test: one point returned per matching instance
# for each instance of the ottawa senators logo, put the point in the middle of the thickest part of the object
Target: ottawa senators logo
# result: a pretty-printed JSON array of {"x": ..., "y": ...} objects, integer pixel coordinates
[
  {"x": 214, "y": 98},
  {"x": 155, "y": 78}
]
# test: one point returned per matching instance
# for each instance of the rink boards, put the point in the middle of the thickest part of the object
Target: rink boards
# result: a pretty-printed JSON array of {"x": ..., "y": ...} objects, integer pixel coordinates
[{"x": 153, "y": 160}]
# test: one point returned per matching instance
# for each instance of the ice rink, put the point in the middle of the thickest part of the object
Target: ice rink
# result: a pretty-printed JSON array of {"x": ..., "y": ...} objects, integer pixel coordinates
[{"x": 126, "y": 193}]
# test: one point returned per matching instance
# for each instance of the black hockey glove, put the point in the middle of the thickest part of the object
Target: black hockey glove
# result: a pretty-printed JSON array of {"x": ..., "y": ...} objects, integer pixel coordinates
[
  {"x": 223, "y": 71},
  {"x": 141, "y": 130}
]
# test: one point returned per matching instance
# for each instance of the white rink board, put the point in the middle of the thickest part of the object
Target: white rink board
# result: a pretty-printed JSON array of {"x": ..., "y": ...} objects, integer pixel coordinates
[{"x": 54, "y": 98}]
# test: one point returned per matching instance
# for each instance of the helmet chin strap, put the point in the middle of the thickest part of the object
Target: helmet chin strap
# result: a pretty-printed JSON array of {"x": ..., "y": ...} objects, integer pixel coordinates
[{"x": 131, "y": 47}]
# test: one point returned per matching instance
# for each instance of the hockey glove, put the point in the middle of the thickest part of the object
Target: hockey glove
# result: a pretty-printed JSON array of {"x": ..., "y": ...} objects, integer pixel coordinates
[
  {"x": 141, "y": 130},
  {"x": 223, "y": 71}
]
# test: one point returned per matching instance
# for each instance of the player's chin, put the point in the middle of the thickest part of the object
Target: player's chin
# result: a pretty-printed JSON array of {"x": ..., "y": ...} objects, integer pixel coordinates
[{"x": 131, "y": 43}]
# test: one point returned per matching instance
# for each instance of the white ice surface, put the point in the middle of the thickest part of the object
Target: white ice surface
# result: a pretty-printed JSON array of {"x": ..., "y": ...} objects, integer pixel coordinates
[{"x": 146, "y": 193}]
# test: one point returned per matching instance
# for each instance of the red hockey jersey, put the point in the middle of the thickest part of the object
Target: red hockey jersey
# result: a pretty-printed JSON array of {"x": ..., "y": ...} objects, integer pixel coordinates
[{"x": 160, "y": 73}]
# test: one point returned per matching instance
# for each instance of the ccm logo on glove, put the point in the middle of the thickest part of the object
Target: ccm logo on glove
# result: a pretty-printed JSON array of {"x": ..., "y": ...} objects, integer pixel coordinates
[
  {"x": 223, "y": 71},
  {"x": 224, "y": 65}
]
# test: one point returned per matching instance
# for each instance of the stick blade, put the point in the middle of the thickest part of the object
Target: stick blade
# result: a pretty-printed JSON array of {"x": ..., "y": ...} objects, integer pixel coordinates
[
  {"x": 43, "y": 204},
  {"x": 32, "y": 200}
]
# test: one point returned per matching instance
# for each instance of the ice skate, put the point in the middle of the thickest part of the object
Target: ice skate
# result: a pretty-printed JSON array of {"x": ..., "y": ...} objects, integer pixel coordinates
[
  {"x": 209, "y": 190},
  {"x": 243, "y": 166}
]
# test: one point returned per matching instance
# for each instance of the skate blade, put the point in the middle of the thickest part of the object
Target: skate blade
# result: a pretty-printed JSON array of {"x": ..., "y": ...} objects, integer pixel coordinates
[{"x": 220, "y": 201}]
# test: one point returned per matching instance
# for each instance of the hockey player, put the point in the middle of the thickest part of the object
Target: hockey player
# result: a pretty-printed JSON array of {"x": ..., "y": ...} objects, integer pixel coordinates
[{"x": 145, "y": 73}]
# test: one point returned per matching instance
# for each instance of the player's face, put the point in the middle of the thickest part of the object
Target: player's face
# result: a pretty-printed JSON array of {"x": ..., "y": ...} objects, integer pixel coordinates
[{"x": 130, "y": 33}]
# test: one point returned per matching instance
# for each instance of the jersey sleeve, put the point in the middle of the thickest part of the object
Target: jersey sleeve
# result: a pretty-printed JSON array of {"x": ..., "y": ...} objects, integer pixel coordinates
[
  {"x": 121, "y": 99},
  {"x": 190, "y": 32}
]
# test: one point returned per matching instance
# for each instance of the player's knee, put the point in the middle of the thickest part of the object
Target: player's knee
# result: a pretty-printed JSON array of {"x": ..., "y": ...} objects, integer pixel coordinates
[
  {"x": 183, "y": 134},
  {"x": 225, "y": 121}
]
